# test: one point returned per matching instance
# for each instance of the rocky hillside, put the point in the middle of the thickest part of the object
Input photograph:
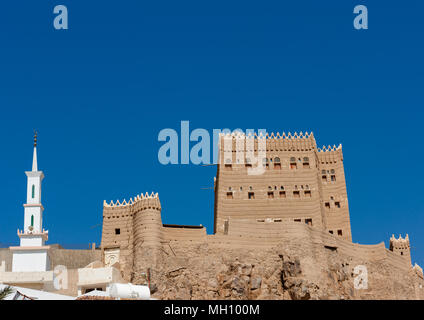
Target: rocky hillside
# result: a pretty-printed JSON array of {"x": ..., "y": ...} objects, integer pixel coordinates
[{"x": 289, "y": 271}]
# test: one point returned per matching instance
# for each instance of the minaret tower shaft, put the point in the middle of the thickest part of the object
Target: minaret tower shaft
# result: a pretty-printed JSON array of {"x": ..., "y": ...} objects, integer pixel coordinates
[
  {"x": 33, "y": 221},
  {"x": 32, "y": 255}
]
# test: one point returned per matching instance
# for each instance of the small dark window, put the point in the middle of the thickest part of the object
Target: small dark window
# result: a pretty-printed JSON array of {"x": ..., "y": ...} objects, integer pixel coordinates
[
  {"x": 270, "y": 195},
  {"x": 277, "y": 163},
  {"x": 308, "y": 222},
  {"x": 296, "y": 194},
  {"x": 226, "y": 227},
  {"x": 293, "y": 164},
  {"x": 323, "y": 172},
  {"x": 331, "y": 231},
  {"x": 248, "y": 163},
  {"x": 251, "y": 195},
  {"x": 305, "y": 162},
  {"x": 229, "y": 195},
  {"x": 33, "y": 191},
  {"x": 297, "y": 220},
  {"x": 282, "y": 194},
  {"x": 308, "y": 193},
  {"x": 333, "y": 178},
  {"x": 324, "y": 178},
  {"x": 327, "y": 205},
  {"x": 117, "y": 231},
  {"x": 337, "y": 204},
  {"x": 339, "y": 232}
]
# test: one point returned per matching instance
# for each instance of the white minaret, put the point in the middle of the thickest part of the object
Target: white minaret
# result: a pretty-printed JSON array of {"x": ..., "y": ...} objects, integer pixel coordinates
[{"x": 32, "y": 254}]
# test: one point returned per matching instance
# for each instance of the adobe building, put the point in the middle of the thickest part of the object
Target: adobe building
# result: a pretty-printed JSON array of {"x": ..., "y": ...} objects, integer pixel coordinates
[
  {"x": 300, "y": 183},
  {"x": 298, "y": 198}
]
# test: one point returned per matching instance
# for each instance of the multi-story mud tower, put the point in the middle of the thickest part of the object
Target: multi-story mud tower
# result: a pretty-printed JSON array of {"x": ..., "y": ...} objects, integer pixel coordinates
[{"x": 298, "y": 182}]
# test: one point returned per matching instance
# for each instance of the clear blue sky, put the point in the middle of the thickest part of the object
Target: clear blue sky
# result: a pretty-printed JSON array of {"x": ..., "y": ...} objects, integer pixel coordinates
[{"x": 100, "y": 92}]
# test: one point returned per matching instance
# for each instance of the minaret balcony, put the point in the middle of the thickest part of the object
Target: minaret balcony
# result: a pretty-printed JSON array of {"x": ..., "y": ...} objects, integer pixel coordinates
[
  {"x": 31, "y": 205},
  {"x": 44, "y": 234}
]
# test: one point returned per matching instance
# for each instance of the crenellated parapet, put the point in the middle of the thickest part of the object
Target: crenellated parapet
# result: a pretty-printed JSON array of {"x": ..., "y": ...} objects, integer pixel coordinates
[
  {"x": 330, "y": 148},
  {"x": 272, "y": 135},
  {"x": 330, "y": 154},
  {"x": 149, "y": 199},
  {"x": 399, "y": 243},
  {"x": 241, "y": 142}
]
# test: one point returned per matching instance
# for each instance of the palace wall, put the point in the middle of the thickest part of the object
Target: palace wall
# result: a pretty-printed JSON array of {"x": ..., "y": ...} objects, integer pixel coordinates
[
  {"x": 153, "y": 240},
  {"x": 71, "y": 259},
  {"x": 184, "y": 233}
]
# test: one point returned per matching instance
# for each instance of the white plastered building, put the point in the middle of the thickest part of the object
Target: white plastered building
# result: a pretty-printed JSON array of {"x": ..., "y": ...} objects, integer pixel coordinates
[{"x": 32, "y": 253}]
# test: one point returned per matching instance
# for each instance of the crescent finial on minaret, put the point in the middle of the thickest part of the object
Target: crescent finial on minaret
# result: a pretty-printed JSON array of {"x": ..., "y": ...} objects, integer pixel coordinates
[
  {"x": 34, "y": 159},
  {"x": 35, "y": 138}
]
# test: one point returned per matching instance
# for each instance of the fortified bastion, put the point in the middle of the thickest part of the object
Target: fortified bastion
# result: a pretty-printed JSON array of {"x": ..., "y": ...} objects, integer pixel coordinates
[{"x": 293, "y": 219}]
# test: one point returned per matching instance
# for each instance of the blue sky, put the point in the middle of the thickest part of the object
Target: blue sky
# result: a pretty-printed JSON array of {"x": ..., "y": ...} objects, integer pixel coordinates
[{"x": 100, "y": 92}]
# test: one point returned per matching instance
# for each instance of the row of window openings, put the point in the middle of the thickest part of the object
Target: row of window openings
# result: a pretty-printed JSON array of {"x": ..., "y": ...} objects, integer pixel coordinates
[
  {"x": 332, "y": 178},
  {"x": 336, "y": 203},
  {"x": 274, "y": 188},
  {"x": 326, "y": 173},
  {"x": 307, "y": 221},
  {"x": 282, "y": 194},
  {"x": 402, "y": 248},
  {"x": 339, "y": 232},
  {"x": 328, "y": 162},
  {"x": 277, "y": 163}
]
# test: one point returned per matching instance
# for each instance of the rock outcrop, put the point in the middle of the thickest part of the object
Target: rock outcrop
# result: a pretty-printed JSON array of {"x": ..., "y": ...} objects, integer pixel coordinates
[{"x": 289, "y": 271}]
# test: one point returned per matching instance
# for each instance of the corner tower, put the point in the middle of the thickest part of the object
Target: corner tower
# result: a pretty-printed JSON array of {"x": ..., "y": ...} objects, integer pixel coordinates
[
  {"x": 132, "y": 234},
  {"x": 401, "y": 247}
]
